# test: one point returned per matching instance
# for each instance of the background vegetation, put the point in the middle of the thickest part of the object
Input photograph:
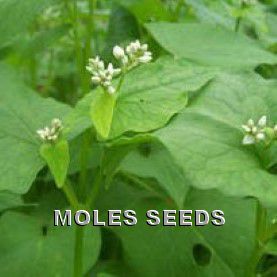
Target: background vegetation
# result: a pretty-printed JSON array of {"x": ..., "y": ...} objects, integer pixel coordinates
[{"x": 216, "y": 57}]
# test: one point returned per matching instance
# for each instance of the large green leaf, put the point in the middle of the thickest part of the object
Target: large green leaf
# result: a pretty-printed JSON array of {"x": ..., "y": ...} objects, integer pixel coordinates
[
  {"x": 206, "y": 139},
  {"x": 212, "y": 12},
  {"x": 149, "y": 97},
  {"x": 154, "y": 161},
  {"x": 198, "y": 251},
  {"x": 210, "y": 45},
  {"x": 31, "y": 246},
  {"x": 22, "y": 112},
  {"x": 16, "y": 16}
]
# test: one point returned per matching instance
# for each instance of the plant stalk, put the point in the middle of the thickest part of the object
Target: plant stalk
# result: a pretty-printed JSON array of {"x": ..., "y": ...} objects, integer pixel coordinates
[
  {"x": 70, "y": 195},
  {"x": 238, "y": 21},
  {"x": 78, "y": 251},
  {"x": 261, "y": 237}
]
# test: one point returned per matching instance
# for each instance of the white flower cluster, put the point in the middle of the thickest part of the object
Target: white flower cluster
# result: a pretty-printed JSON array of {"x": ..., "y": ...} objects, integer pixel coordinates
[
  {"x": 102, "y": 76},
  {"x": 254, "y": 133},
  {"x": 134, "y": 54},
  {"x": 51, "y": 134}
]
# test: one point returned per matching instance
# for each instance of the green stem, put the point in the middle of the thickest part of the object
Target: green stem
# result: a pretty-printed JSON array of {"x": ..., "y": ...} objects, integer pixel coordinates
[
  {"x": 97, "y": 182},
  {"x": 120, "y": 82},
  {"x": 261, "y": 237},
  {"x": 78, "y": 49},
  {"x": 84, "y": 158},
  {"x": 33, "y": 72},
  {"x": 178, "y": 9},
  {"x": 139, "y": 182},
  {"x": 70, "y": 195},
  {"x": 238, "y": 21},
  {"x": 79, "y": 231},
  {"x": 95, "y": 189},
  {"x": 89, "y": 34},
  {"x": 78, "y": 251}
]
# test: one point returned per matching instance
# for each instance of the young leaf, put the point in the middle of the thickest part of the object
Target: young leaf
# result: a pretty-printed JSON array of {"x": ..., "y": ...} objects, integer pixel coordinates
[
  {"x": 101, "y": 112},
  {"x": 210, "y": 45},
  {"x": 57, "y": 158}
]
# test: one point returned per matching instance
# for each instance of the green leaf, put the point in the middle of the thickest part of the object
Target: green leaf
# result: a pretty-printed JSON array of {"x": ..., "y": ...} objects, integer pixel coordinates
[
  {"x": 146, "y": 10},
  {"x": 171, "y": 251},
  {"x": 16, "y": 16},
  {"x": 206, "y": 139},
  {"x": 212, "y": 12},
  {"x": 149, "y": 97},
  {"x": 9, "y": 200},
  {"x": 101, "y": 112},
  {"x": 57, "y": 158},
  {"x": 33, "y": 247},
  {"x": 154, "y": 161},
  {"x": 22, "y": 112},
  {"x": 210, "y": 45},
  {"x": 271, "y": 247}
]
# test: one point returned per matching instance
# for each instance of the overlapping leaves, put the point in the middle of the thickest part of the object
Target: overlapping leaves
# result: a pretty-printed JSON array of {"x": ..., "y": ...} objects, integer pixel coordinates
[
  {"x": 205, "y": 140},
  {"x": 149, "y": 97},
  {"x": 171, "y": 251}
]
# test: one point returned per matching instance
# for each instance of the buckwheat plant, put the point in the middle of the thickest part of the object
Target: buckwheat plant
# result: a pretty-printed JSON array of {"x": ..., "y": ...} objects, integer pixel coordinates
[
  {"x": 133, "y": 55},
  {"x": 260, "y": 132},
  {"x": 52, "y": 133}
]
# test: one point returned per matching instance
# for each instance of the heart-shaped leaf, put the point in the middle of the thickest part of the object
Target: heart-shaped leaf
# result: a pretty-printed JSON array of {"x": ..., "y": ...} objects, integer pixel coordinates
[
  {"x": 210, "y": 45},
  {"x": 206, "y": 139}
]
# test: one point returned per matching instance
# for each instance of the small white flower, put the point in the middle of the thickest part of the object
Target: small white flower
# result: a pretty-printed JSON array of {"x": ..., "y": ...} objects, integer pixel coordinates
[
  {"x": 250, "y": 122},
  {"x": 246, "y": 128},
  {"x": 260, "y": 136},
  {"x": 262, "y": 122},
  {"x": 51, "y": 134},
  {"x": 118, "y": 52},
  {"x": 146, "y": 58},
  {"x": 248, "y": 139},
  {"x": 111, "y": 90},
  {"x": 56, "y": 123},
  {"x": 102, "y": 76},
  {"x": 254, "y": 133},
  {"x": 134, "y": 54},
  {"x": 96, "y": 80},
  {"x": 137, "y": 53}
]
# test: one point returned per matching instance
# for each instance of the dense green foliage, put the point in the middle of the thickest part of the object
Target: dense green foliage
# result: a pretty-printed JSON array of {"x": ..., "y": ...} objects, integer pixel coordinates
[{"x": 170, "y": 137}]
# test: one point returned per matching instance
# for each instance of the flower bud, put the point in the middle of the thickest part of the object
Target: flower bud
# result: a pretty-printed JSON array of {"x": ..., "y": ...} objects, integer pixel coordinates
[{"x": 118, "y": 52}]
